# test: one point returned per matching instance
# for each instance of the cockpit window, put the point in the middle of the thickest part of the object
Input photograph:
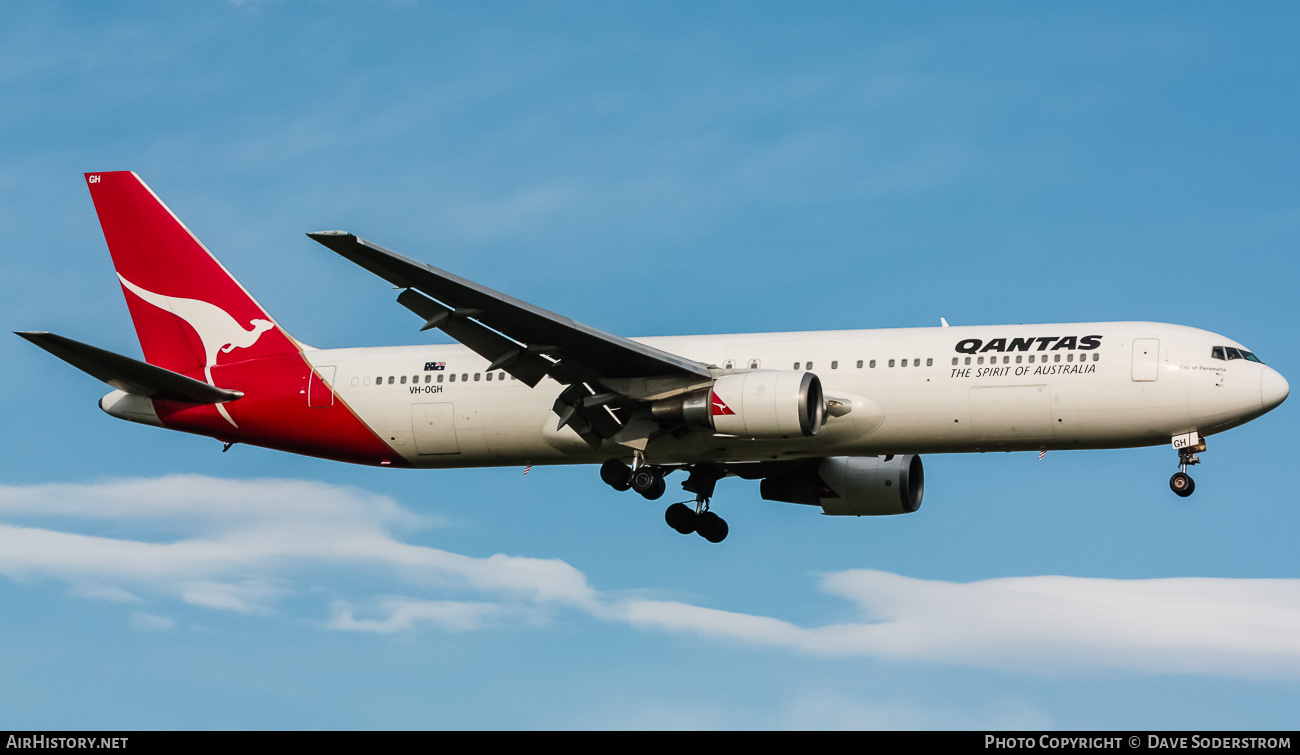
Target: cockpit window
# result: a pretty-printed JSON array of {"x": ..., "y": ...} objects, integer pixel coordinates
[{"x": 1229, "y": 353}]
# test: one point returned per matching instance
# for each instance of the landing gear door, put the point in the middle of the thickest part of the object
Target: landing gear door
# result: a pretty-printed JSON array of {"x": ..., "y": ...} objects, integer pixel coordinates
[{"x": 1146, "y": 359}]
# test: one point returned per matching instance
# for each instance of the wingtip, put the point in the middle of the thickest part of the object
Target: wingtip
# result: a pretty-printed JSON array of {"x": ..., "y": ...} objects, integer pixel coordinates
[{"x": 328, "y": 234}]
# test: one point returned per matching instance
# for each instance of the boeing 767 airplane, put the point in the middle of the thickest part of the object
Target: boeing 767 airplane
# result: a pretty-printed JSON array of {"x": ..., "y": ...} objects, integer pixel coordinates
[{"x": 835, "y": 419}]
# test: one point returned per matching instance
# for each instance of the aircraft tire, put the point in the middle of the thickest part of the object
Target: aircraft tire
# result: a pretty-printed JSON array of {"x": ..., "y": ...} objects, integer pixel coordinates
[
  {"x": 616, "y": 474},
  {"x": 681, "y": 518},
  {"x": 647, "y": 480},
  {"x": 1182, "y": 484},
  {"x": 656, "y": 490},
  {"x": 712, "y": 527}
]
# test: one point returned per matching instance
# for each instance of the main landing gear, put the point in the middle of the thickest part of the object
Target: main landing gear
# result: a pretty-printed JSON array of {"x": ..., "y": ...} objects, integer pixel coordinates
[
  {"x": 1182, "y": 483},
  {"x": 686, "y": 520},
  {"x": 648, "y": 480}
]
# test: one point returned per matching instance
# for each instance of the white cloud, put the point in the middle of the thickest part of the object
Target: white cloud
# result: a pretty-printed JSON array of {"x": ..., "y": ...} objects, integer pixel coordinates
[
  {"x": 237, "y": 545},
  {"x": 148, "y": 622},
  {"x": 244, "y": 546},
  {"x": 1044, "y": 624},
  {"x": 404, "y": 614}
]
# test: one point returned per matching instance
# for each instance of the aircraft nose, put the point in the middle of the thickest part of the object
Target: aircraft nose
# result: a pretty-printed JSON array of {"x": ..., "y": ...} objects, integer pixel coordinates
[{"x": 1273, "y": 388}]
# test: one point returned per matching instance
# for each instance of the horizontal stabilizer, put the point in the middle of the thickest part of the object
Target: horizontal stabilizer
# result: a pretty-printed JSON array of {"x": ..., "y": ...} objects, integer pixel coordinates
[{"x": 127, "y": 374}]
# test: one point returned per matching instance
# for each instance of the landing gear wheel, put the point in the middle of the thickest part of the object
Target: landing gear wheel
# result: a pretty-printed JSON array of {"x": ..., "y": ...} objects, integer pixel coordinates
[
  {"x": 681, "y": 518},
  {"x": 616, "y": 474},
  {"x": 657, "y": 491},
  {"x": 711, "y": 527},
  {"x": 649, "y": 482},
  {"x": 1182, "y": 484}
]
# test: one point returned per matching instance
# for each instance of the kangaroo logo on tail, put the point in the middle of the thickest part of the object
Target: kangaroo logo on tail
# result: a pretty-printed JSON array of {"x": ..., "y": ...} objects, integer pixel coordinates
[{"x": 218, "y": 331}]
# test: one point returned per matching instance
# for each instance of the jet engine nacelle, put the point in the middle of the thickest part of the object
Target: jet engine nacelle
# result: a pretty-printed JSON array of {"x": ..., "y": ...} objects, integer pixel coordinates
[
  {"x": 760, "y": 404},
  {"x": 853, "y": 486}
]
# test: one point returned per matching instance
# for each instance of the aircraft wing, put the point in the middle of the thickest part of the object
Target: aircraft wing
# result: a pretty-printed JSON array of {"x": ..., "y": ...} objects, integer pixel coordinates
[
  {"x": 127, "y": 374},
  {"x": 531, "y": 343},
  {"x": 470, "y": 313}
]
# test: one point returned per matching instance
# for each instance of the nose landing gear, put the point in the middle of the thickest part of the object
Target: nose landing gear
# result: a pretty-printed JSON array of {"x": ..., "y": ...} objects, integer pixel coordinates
[{"x": 1182, "y": 483}]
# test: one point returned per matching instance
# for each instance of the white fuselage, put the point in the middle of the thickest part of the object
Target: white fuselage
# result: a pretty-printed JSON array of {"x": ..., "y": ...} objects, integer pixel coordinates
[{"x": 962, "y": 389}]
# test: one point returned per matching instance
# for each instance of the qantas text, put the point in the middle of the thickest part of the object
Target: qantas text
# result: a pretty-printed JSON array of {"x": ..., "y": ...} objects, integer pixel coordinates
[{"x": 976, "y": 346}]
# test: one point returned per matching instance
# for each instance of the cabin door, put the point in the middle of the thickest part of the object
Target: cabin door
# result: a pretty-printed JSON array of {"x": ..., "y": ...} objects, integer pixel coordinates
[{"x": 1146, "y": 359}]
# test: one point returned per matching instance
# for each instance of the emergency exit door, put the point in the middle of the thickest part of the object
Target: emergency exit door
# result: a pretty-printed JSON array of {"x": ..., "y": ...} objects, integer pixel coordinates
[{"x": 434, "y": 426}]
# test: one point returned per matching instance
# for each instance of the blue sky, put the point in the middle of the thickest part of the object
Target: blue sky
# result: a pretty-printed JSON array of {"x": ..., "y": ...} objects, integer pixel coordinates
[{"x": 653, "y": 168}]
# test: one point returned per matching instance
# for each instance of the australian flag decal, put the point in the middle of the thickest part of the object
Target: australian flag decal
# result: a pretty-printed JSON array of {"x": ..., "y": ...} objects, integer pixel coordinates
[{"x": 431, "y": 366}]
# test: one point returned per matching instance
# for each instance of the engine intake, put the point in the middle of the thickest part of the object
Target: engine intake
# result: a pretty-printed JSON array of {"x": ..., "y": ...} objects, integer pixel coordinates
[
  {"x": 853, "y": 486},
  {"x": 758, "y": 404}
]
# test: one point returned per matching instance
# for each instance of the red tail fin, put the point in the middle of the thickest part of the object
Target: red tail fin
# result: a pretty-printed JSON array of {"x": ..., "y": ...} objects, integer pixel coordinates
[{"x": 189, "y": 312}]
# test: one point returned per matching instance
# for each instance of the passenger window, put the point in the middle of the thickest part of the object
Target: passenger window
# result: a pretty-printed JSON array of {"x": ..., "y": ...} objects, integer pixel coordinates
[
  {"x": 439, "y": 377},
  {"x": 403, "y": 380},
  {"x": 1031, "y": 358},
  {"x": 1018, "y": 358},
  {"x": 872, "y": 364},
  {"x": 1056, "y": 357},
  {"x": 929, "y": 362},
  {"x": 967, "y": 361},
  {"x": 835, "y": 365},
  {"x": 891, "y": 363},
  {"x": 954, "y": 361},
  {"x": 453, "y": 377},
  {"x": 366, "y": 381},
  {"x": 1217, "y": 353},
  {"x": 390, "y": 379},
  {"x": 796, "y": 365},
  {"x": 980, "y": 360},
  {"x": 904, "y": 364},
  {"x": 1006, "y": 360},
  {"x": 464, "y": 377},
  {"x": 1069, "y": 357},
  {"x": 427, "y": 377},
  {"x": 809, "y": 367},
  {"x": 476, "y": 376},
  {"x": 859, "y": 364},
  {"x": 1095, "y": 356},
  {"x": 489, "y": 377}
]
